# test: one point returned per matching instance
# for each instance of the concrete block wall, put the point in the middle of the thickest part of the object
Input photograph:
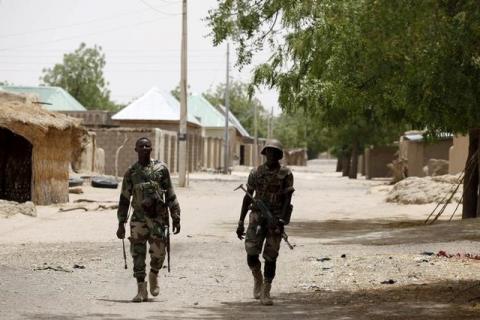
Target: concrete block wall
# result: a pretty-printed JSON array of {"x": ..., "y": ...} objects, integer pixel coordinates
[
  {"x": 458, "y": 154},
  {"x": 111, "y": 139},
  {"x": 376, "y": 160}
]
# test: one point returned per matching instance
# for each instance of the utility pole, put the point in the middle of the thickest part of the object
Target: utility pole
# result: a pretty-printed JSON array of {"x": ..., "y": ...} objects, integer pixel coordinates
[
  {"x": 271, "y": 124},
  {"x": 227, "y": 107},
  {"x": 182, "y": 135},
  {"x": 255, "y": 144}
]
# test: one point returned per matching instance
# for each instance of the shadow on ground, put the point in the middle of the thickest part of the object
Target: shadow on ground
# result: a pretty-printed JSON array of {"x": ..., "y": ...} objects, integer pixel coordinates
[
  {"x": 382, "y": 232},
  {"x": 385, "y": 232},
  {"x": 443, "y": 300},
  {"x": 434, "y": 301}
]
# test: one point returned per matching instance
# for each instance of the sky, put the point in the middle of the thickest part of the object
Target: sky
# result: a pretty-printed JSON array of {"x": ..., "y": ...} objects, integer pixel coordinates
[{"x": 141, "y": 40}]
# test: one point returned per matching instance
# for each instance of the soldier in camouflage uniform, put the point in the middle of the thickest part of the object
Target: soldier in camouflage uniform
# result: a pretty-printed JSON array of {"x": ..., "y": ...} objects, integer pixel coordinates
[
  {"x": 271, "y": 183},
  {"x": 148, "y": 183}
]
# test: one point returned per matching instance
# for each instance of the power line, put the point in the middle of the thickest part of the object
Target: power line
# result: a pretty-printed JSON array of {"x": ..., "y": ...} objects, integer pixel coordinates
[
  {"x": 121, "y": 54},
  {"x": 78, "y": 36},
  {"x": 157, "y": 10},
  {"x": 3, "y": 36},
  {"x": 170, "y": 2},
  {"x": 125, "y": 70},
  {"x": 122, "y": 63}
]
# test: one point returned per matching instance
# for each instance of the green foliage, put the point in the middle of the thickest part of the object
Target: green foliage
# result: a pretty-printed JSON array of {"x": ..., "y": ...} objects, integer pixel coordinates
[
  {"x": 176, "y": 92},
  {"x": 364, "y": 69},
  {"x": 298, "y": 130},
  {"x": 81, "y": 74},
  {"x": 241, "y": 105},
  {"x": 6, "y": 83}
]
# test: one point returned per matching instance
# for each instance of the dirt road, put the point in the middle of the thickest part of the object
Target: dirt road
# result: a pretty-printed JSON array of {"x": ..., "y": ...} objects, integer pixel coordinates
[{"x": 69, "y": 265}]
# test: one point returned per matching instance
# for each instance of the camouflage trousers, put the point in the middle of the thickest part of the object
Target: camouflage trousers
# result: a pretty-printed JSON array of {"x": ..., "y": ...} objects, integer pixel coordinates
[
  {"x": 142, "y": 231},
  {"x": 258, "y": 238}
]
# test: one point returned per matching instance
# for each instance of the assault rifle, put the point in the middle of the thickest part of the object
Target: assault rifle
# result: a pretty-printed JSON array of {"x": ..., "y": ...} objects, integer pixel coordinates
[
  {"x": 167, "y": 237},
  {"x": 266, "y": 214},
  {"x": 160, "y": 194}
]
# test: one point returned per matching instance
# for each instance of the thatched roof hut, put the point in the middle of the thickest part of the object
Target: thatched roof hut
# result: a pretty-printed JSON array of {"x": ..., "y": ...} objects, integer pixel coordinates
[{"x": 35, "y": 151}]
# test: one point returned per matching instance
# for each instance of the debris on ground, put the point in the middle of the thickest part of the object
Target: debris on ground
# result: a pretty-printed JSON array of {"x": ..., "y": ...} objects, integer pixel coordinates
[
  {"x": 78, "y": 266},
  {"x": 75, "y": 182},
  {"x": 11, "y": 208},
  {"x": 472, "y": 256},
  {"x": 75, "y": 190},
  {"x": 91, "y": 200},
  {"x": 390, "y": 281},
  {"x": 108, "y": 182},
  {"x": 72, "y": 209},
  {"x": 323, "y": 259},
  {"x": 98, "y": 207},
  {"x": 415, "y": 190},
  {"x": 427, "y": 253},
  {"x": 57, "y": 268}
]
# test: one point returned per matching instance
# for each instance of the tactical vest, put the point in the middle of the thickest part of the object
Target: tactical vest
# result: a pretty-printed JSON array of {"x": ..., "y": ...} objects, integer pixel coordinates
[
  {"x": 270, "y": 186},
  {"x": 146, "y": 183}
]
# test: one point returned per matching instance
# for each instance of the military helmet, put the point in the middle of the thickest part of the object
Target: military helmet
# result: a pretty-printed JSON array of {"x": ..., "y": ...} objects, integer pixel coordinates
[{"x": 274, "y": 144}]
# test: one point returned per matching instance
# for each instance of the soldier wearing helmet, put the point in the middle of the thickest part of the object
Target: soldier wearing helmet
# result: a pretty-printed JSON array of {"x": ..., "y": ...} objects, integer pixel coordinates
[{"x": 272, "y": 183}]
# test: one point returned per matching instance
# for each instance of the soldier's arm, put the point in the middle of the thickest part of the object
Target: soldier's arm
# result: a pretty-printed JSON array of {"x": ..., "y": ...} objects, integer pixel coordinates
[
  {"x": 287, "y": 200},
  {"x": 171, "y": 197},
  {"x": 247, "y": 201},
  {"x": 124, "y": 202}
]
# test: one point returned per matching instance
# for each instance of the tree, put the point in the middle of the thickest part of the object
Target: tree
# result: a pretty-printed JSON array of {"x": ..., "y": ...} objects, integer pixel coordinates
[
  {"x": 5, "y": 83},
  {"x": 411, "y": 63},
  {"x": 298, "y": 130},
  {"x": 322, "y": 64},
  {"x": 81, "y": 74},
  {"x": 241, "y": 105}
]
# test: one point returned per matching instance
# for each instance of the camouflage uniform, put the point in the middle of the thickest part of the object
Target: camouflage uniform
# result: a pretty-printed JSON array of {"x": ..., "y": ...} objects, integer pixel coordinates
[
  {"x": 150, "y": 184},
  {"x": 271, "y": 187}
]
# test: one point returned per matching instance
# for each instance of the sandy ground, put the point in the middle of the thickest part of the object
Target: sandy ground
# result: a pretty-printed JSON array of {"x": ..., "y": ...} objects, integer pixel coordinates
[{"x": 348, "y": 241}]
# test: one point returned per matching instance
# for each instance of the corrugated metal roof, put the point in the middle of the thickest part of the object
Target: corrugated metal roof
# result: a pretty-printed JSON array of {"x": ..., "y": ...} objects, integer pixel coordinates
[
  {"x": 153, "y": 105},
  {"x": 56, "y": 98},
  {"x": 233, "y": 119},
  {"x": 204, "y": 112}
]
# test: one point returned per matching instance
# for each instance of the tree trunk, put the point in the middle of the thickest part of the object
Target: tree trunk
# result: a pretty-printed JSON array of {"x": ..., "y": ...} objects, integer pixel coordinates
[
  {"x": 339, "y": 164},
  {"x": 470, "y": 182},
  {"x": 346, "y": 165},
  {"x": 354, "y": 167}
]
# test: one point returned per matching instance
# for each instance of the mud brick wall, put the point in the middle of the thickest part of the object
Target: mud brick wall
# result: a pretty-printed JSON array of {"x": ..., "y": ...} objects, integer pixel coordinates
[
  {"x": 111, "y": 139},
  {"x": 376, "y": 160}
]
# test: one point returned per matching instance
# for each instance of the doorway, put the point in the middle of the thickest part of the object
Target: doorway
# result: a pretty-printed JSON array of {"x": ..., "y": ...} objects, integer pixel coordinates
[
  {"x": 242, "y": 155},
  {"x": 15, "y": 167}
]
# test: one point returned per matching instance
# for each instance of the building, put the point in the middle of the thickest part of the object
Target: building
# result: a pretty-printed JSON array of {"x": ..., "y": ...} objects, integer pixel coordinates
[
  {"x": 51, "y": 98},
  {"x": 36, "y": 148},
  {"x": 244, "y": 143},
  {"x": 159, "y": 110},
  {"x": 213, "y": 130},
  {"x": 458, "y": 154},
  {"x": 416, "y": 151}
]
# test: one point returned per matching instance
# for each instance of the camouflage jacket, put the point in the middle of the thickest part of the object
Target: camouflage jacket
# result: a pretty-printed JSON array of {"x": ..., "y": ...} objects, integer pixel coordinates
[
  {"x": 152, "y": 181},
  {"x": 271, "y": 186}
]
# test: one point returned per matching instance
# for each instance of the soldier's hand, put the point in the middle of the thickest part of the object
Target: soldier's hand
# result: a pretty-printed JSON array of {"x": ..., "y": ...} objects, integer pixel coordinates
[
  {"x": 176, "y": 227},
  {"x": 121, "y": 231},
  {"x": 240, "y": 231},
  {"x": 279, "y": 226}
]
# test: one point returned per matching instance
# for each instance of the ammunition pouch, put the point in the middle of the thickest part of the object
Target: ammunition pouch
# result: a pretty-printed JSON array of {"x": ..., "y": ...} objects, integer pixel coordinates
[{"x": 152, "y": 204}]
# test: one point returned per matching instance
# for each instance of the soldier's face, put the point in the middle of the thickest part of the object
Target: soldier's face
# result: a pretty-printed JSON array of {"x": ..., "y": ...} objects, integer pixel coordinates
[
  {"x": 272, "y": 155},
  {"x": 143, "y": 148}
]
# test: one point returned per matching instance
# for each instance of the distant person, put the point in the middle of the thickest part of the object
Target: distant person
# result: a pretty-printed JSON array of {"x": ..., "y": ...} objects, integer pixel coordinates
[
  {"x": 148, "y": 183},
  {"x": 272, "y": 184}
]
